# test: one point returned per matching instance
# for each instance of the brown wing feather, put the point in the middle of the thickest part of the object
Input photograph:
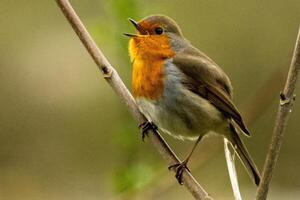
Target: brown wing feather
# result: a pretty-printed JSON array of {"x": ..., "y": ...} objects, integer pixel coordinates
[
  {"x": 217, "y": 98},
  {"x": 206, "y": 79}
]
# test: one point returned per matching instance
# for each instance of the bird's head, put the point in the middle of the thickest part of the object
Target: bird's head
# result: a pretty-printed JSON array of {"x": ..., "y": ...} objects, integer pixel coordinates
[{"x": 156, "y": 35}]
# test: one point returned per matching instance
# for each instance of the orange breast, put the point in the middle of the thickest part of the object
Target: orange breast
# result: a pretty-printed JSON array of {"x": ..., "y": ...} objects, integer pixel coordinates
[{"x": 147, "y": 55}]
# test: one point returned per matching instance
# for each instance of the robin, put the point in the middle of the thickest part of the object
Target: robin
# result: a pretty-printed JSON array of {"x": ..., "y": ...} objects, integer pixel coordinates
[{"x": 182, "y": 91}]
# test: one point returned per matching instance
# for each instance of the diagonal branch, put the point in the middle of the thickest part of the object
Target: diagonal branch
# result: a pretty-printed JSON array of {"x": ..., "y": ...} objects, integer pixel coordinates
[
  {"x": 117, "y": 84},
  {"x": 286, "y": 102}
]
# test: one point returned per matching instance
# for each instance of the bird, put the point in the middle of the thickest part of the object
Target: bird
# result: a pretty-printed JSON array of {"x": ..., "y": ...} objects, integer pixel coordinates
[{"x": 181, "y": 91}]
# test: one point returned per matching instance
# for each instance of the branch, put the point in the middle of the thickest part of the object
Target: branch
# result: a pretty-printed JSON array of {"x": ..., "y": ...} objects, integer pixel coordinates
[
  {"x": 112, "y": 77},
  {"x": 286, "y": 102}
]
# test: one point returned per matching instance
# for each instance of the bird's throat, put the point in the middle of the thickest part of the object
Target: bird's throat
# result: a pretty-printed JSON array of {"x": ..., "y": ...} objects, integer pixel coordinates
[{"x": 148, "y": 56}]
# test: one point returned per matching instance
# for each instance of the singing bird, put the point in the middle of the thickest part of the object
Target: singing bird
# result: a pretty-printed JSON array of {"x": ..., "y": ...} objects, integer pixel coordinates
[{"x": 182, "y": 91}]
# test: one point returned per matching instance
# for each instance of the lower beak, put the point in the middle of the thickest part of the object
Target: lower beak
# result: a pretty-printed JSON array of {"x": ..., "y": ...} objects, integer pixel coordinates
[{"x": 131, "y": 35}]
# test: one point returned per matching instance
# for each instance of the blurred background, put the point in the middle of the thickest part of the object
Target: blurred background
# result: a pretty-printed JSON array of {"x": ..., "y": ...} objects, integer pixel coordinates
[{"x": 64, "y": 134}]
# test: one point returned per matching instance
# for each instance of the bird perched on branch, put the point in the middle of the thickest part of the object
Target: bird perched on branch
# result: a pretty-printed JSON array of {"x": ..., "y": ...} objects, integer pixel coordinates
[{"x": 181, "y": 90}]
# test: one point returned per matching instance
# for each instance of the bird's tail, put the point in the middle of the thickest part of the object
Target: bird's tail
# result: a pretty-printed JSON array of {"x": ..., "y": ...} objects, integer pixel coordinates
[{"x": 244, "y": 156}]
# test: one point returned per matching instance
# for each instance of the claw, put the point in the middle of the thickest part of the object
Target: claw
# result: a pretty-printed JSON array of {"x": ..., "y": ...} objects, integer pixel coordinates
[
  {"x": 180, "y": 167},
  {"x": 145, "y": 126}
]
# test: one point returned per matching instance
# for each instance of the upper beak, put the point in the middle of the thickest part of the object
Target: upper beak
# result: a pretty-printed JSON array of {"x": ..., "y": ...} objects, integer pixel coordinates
[
  {"x": 135, "y": 24},
  {"x": 138, "y": 27}
]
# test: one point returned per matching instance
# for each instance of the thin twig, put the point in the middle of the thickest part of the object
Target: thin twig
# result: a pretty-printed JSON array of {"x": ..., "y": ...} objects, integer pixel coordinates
[
  {"x": 231, "y": 169},
  {"x": 286, "y": 102},
  {"x": 117, "y": 84}
]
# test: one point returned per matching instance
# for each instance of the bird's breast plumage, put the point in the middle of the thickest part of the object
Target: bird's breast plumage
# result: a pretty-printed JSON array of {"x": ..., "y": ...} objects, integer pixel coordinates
[
  {"x": 147, "y": 79},
  {"x": 148, "y": 54},
  {"x": 178, "y": 111}
]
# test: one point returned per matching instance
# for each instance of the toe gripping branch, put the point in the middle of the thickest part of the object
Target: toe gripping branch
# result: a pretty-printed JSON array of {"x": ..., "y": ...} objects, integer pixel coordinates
[
  {"x": 179, "y": 168},
  {"x": 145, "y": 127}
]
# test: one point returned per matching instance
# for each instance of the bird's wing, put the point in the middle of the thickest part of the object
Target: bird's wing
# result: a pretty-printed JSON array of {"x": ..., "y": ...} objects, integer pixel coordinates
[{"x": 203, "y": 77}]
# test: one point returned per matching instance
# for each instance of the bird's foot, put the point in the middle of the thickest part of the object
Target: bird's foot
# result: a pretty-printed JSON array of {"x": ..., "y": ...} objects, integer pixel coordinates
[
  {"x": 179, "y": 167},
  {"x": 145, "y": 127}
]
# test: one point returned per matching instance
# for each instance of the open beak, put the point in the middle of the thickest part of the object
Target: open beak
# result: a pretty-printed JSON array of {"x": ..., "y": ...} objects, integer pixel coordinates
[{"x": 138, "y": 27}]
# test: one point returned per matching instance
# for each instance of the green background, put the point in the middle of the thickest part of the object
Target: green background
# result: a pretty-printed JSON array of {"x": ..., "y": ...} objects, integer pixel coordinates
[{"x": 64, "y": 134}]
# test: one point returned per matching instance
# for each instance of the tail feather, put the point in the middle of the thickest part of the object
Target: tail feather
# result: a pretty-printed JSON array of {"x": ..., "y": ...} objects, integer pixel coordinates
[{"x": 244, "y": 156}]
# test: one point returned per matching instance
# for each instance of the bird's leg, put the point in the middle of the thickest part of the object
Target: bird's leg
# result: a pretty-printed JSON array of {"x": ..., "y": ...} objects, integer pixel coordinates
[
  {"x": 145, "y": 126},
  {"x": 180, "y": 167}
]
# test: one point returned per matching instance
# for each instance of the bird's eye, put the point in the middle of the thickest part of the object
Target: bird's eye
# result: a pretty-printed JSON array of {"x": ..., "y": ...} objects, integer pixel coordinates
[{"x": 158, "y": 30}]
